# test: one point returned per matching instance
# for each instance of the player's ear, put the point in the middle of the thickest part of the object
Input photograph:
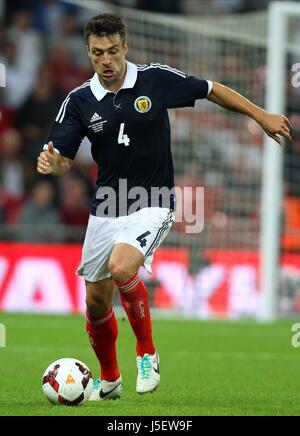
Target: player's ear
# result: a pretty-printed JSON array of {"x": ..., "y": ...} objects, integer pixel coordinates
[{"x": 125, "y": 47}]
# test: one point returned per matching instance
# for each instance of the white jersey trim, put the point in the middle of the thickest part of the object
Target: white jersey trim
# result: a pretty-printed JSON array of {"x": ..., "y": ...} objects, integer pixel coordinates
[
  {"x": 129, "y": 82},
  {"x": 62, "y": 112},
  {"x": 210, "y": 86},
  {"x": 172, "y": 70},
  {"x": 163, "y": 67}
]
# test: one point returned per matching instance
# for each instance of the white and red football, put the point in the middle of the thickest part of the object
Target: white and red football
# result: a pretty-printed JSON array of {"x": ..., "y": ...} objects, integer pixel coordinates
[{"x": 67, "y": 382}]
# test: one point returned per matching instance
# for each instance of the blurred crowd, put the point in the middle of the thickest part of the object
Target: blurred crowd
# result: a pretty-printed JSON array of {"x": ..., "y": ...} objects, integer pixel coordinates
[{"x": 45, "y": 58}]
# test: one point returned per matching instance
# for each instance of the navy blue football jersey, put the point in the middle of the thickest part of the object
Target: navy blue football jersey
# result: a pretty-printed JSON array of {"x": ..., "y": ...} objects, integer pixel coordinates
[{"x": 129, "y": 131}]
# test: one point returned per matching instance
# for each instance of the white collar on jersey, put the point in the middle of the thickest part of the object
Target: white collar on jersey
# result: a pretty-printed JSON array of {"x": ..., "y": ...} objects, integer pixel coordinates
[{"x": 129, "y": 82}]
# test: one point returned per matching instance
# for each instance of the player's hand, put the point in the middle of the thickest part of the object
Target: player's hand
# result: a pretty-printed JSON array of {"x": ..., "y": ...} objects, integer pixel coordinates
[
  {"x": 48, "y": 160},
  {"x": 275, "y": 125}
]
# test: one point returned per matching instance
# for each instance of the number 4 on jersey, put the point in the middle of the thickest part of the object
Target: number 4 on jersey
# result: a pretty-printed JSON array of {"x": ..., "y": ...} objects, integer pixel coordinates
[
  {"x": 142, "y": 239},
  {"x": 123, "y": 139}
]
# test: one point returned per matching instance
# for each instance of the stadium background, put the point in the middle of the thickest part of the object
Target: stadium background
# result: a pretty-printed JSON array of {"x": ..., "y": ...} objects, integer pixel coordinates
[{"x": 43, "y": 220}]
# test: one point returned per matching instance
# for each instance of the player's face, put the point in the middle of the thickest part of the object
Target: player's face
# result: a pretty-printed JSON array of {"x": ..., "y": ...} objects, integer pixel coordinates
[{"x": 107, "y": 54}]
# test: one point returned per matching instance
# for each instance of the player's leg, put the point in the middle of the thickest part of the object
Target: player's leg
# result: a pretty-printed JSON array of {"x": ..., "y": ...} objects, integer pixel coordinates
[
  {"x": 124, "y": 264},
  {"x": 101, "y": 321},
  {"x": 102, "y": 328},
  {"x": 142, "y": 235}
]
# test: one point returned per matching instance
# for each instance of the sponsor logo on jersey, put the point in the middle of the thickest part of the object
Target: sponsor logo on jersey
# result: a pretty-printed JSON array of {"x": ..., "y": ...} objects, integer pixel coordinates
[
  {"x": 143, "y": 104},
  {"x": 97, "y": 123},
  {"x": 95, "y": 117}
]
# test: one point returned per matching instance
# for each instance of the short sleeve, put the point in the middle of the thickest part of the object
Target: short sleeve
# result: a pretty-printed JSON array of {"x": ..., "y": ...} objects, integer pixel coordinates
[
  {"x": 67, "y": 131},
  {"x": 181, "y": 90}
]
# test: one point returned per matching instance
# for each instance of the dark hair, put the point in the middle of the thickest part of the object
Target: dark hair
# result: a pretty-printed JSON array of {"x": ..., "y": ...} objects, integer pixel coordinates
[{"x": 105, "y": 25}]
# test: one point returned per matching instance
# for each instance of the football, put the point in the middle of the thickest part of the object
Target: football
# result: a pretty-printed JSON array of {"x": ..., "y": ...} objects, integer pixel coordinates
[{"x": 67, "y": 382}]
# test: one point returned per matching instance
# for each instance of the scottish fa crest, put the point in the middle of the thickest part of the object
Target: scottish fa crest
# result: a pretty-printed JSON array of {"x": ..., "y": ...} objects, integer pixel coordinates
[{"x": 143, "y": 104}]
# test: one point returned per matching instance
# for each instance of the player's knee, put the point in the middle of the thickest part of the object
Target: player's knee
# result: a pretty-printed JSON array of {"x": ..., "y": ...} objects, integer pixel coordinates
[
  {"x": 97, "y": 306},
  {"x": 120, "y": 273}
]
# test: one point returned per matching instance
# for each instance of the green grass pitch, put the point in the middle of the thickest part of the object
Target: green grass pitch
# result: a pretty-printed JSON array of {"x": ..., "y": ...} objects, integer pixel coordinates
[{"x": 208, "y": 368}]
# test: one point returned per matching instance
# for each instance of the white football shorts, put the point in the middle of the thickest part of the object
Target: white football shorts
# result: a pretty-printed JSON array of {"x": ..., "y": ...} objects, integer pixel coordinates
[{"x": 144, "y": 230}]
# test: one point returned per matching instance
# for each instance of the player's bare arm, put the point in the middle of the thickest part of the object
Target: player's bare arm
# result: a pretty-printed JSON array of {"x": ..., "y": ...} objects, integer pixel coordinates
[
  {"x": 51, "y": 162},
  {"x": 272, "y": 124}
]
